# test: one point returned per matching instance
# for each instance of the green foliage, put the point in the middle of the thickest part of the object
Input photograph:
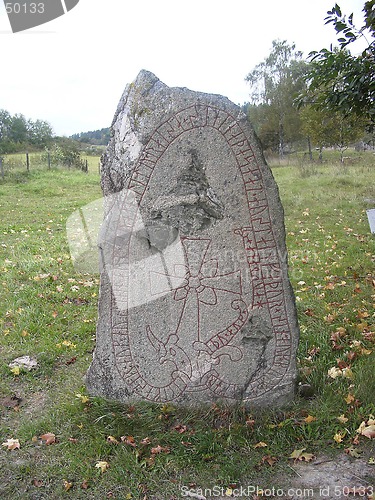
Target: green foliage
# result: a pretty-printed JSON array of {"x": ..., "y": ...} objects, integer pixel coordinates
[
  {"x": 65, "y": 152},
  {"x": 17, "y": 133},
  {"x": 327, "y": 128},
  {"x": 96, "y": 137},
  {"x": 342, "y": 82},
  {"x": 274, "y": 84}
]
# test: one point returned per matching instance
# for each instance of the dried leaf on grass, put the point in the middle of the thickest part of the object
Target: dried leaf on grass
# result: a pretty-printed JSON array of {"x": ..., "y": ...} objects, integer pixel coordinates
[
  {"x": 12, "y": 444},
  {"x": 102, "y": 465},
  {"x": 129, "y": 440},
  {"x": 48, "y": 438},
  {"x": 160, "y": 449},
  {"x": 302, "y": 456}
]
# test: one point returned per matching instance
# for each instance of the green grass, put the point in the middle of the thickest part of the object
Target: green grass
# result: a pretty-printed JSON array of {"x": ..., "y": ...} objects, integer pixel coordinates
[{"x": 48, "y": 310}]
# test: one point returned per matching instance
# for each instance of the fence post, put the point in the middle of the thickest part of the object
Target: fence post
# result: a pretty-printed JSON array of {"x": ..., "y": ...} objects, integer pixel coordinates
[
  {"x": 1, "y": 167},
  {"x": 27, "y": 161},
  {"x": 49, "y": 160}
]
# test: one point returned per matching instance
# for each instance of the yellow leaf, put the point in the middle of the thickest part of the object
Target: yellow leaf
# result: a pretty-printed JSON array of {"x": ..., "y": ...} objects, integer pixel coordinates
[
  {"x": 112, "y": 440},
  {"x": 342, "y": 419},
  {"x": 347, "y": 373},
  {"x": 102, "y": 465},
  {"x": 260, "y": 445},
  {"x": 300, "y": 455},
  {"x": 365, "y": 352},
  {"x": 307, "y": 457},
  {"x": 353, "y": 452},
  {"x": 338, "y": 437},
  {"x": 349, "y": 399},
  {"x": 15, "y": 370},
  {"x": 297, "y": 453},
  {"x": 83, "y": 398},
  {"x": 228, "y": 492},
  {"x": 310, "y": 419},
  {"x": 12, "y": 444},
  {"x": 67, "y": 485}
]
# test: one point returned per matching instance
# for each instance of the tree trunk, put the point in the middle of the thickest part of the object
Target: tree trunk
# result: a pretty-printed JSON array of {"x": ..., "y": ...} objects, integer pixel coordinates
[
  {"x": 309, "y": 146},
  {"x": 281, "y": 138}
]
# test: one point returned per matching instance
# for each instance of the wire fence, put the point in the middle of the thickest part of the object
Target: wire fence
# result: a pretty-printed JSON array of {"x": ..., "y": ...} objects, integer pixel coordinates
[{"x": 22, "y": 163}]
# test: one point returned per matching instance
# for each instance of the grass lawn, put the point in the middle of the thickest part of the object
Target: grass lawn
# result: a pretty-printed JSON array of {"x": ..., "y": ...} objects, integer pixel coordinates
[{"x": 71, "y": 445}]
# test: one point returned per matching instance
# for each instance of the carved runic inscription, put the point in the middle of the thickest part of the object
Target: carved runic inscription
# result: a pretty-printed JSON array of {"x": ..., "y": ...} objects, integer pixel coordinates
[
  {"x": 200, "y": 285},
  {"x": 188, "y": 357}
]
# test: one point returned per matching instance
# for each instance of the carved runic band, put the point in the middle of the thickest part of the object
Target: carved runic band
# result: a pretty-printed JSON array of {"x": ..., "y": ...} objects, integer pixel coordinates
[{"x": 202, "y": 284}]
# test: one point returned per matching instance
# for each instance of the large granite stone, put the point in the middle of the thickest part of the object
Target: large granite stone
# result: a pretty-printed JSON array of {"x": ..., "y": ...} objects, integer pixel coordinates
[{"x": 195, "y": 302}]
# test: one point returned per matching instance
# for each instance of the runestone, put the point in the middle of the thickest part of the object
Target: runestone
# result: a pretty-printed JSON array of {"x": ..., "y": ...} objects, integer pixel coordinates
[{"x": 195, "y": 301}]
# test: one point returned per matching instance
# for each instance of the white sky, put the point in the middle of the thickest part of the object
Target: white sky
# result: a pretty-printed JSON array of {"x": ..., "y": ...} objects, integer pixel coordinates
[{"x": 72, "y": 71}]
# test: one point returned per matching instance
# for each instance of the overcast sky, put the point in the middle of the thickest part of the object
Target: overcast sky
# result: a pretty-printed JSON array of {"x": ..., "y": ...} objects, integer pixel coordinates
[{"x": 72, "y": 71}]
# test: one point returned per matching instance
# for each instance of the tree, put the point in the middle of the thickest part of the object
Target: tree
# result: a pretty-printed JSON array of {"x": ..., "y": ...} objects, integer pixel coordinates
[
  {"x": 275, "y": 83},
  {"x": 18, "y": 130},
  {"x": 326, "y": 128},
  {"x": 39, "y": 132},
  {"x": 342, "y": 82},
  {"x": 5, "y": 121}
]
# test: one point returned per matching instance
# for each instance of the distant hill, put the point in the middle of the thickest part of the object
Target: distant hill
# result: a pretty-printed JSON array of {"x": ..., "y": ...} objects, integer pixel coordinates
[{"x": 96, "y": 137}]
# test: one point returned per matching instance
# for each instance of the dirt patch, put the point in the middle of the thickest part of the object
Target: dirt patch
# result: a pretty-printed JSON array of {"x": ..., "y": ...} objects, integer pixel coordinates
[{"x": 333, "y": 478}]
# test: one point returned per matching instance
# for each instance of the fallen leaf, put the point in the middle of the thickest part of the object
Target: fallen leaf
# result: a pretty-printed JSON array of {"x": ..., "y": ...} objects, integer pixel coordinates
[
  {"x": 269, "y": 460},
  {"x": 112, "y": 440},
  {"x": 102, "y": 465},
  {"x": 301, "y": 455},
  {"x": 67, "y": 485},
  {"x": 83, "y": 398},
  {"x": 12, "y": 444},
  {"x": 16, "y": 370},
  {"x": 351, "y": 355},
  {"x": 146, "y": 441},
  {"x": 85, "y": 485},
  {"x": 355, "y": 440},
  {"x": 310, "y": 419},
  {"x": 347, "y": 373},
  {"x": 180, "y": 428},
  {"x": 369, "y": 431},
  {"x": 159, "y": 449},
  {"x": 49, "y": 438},
  {"x": 71, "y": 361},
  {"x": 37, "y": 483},
  {"x": 329, "y": 318},
  {"x": 338, "y": 437},
  {"x": 334, "y": 372},
  {"x": 309, "y": 312},
  {"x": 353, "y": 452},
  {"x": 73, "y": 440},
  {"x": 129, "y": 440},
  {"x": 260, "y": 445},
  {"x": 349, "y": 399},
  {"x": 342, "y": 419}
]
